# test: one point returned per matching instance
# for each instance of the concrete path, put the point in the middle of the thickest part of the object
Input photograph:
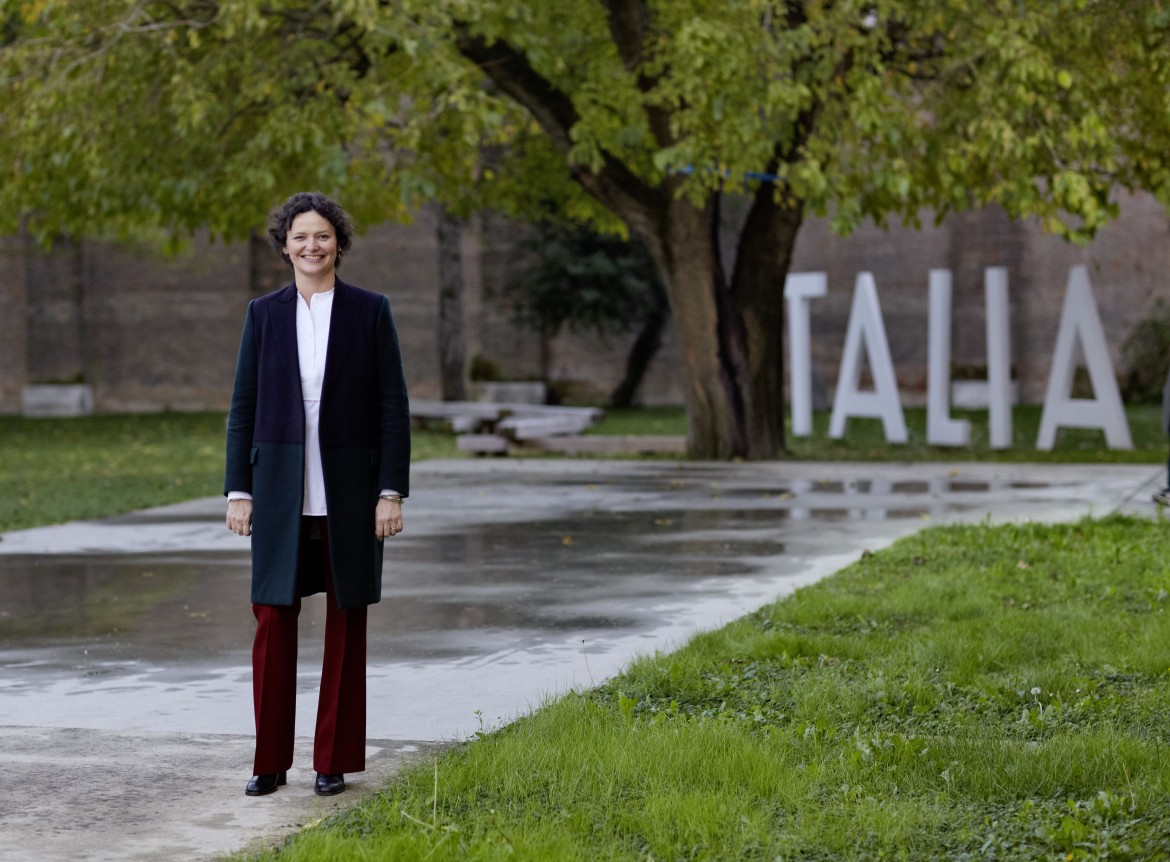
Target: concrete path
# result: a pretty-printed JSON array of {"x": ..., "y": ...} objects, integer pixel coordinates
[{"x": 125, "y": 698}]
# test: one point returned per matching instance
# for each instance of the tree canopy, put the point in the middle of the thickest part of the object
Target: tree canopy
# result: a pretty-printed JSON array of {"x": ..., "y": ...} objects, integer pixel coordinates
[{"x": 124, "y": 115}]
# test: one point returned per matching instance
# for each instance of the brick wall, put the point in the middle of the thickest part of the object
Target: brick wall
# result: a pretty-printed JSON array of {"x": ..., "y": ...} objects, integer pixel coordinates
[
  {"x": 56, "y": 324},
  {"x": 162, "y": 332},
  {"x": 152, "y": 332},
  {"x": 1128, "y": 264},
  {"x": 13, "y": 322}
]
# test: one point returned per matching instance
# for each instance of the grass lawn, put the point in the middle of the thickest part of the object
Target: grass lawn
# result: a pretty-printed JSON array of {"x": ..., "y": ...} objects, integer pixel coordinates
[
  {"x": 972, "y": 692},
  {"x": 57, "y": 470}
]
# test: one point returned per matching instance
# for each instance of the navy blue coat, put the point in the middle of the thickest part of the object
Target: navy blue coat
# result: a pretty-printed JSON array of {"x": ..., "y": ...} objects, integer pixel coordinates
[{"x": 364, "y": 438}]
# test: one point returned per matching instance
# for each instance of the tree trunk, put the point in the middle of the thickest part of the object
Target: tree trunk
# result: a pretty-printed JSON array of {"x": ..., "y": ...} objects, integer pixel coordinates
[
  {"x": 452, "y": 347},
  {"x": 730, "y": 331},
  {"x": 684, "y": 241},
  {"x": 763, "y": 258},
  {"x": 645, "y": 348}
]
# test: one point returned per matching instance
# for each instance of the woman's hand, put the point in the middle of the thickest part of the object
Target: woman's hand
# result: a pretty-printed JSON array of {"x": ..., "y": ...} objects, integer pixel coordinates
[
  {"x": 387, "y": 518},
  {"x": 239, "y": 517}
]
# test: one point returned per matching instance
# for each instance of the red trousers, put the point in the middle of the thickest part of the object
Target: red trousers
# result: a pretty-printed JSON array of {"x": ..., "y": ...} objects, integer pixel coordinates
[{"x": 339, "y": 744}]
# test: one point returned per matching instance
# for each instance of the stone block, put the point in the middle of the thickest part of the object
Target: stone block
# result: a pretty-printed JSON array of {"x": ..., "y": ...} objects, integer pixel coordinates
[{"x": 57, "y": 400}]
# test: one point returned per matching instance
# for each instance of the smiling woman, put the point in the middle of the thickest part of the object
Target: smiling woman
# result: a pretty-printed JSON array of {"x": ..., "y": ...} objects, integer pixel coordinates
[
  {"x": 318, "y": 457},
  {"x": 312, "y": 234},
  {"x": 311, "y": 248}
]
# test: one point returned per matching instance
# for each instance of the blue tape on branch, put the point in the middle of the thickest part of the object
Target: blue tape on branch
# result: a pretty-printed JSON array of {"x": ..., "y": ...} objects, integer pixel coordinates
[{"x": 758, "y": 176}]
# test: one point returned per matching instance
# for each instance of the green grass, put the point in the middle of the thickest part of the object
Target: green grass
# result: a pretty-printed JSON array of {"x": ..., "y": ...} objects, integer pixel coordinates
[
  {"x": 865, "y": 439},
  {"x": 972, "y": 692},
  {"x": 642, "y": 420},
  {"x": 57, "y": 470}
]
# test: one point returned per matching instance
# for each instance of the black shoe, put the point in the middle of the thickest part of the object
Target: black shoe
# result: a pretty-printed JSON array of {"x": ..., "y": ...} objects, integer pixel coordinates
[
  {"x": 1162, "y": 498},
  {"x": 329, "y": 785},
  {"x": 262, "y": 785}
]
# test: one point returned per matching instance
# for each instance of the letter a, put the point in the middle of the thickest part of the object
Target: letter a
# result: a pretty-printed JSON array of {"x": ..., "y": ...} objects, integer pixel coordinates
[
  {"x": 1079, "y": 320},
  {"x": 867, "y": 330}
]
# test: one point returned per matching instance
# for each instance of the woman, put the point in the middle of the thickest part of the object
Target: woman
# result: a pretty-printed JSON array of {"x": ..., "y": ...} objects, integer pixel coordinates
[{"x": 318, "y": 463}]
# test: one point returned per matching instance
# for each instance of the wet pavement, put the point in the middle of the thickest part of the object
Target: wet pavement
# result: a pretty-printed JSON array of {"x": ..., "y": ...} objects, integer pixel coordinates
[{"x": 125, "y": 686}]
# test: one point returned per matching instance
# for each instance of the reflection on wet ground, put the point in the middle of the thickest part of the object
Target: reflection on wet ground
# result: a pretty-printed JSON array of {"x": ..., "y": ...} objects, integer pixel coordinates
[
  {"x": 498, "y": 561},
  {"x": 466, "y": 591},
  {"x": 598, "y": 568},
  {"x": 126, "y": 641},
  {"x": 868, "y": 486}
]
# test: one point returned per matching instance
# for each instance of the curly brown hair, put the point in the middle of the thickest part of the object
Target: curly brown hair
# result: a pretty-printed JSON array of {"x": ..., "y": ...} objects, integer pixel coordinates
[{"x": 281, "y": 218}]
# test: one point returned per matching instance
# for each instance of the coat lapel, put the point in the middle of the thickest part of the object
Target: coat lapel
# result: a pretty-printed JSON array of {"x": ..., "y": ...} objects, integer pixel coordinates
[
  {"x": 284, "y": 325},
  {"x": 341, "y": 331}
]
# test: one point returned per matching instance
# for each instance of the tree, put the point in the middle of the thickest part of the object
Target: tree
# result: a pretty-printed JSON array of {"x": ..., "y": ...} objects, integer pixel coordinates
[
  {"x": 634, "y": 113},
  {"x": 452, "y": 346},
  {"x": 595, "y": 283}
]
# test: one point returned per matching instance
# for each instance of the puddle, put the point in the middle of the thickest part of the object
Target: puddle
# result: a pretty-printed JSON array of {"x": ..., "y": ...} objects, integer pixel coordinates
[
  {"x": 599, "y": 568},
  {"x": 489, "y": 598},
  {"x": 967, "y": 487},
  {"x": 475, "y": 587},
  {"x": 177, "y": 605}
]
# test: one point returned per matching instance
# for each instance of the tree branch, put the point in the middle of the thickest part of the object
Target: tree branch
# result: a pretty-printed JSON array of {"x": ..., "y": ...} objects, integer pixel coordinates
[
  {"x": 616, "y": 186},
  {"x": 629, "y": 22},
  {"x": 629, "y": 26},
  {"x": 769, "y": 232}
]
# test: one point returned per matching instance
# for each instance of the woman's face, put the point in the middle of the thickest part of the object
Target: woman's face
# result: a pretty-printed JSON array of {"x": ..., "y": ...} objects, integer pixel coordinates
[{"x": 311, "y": 245}]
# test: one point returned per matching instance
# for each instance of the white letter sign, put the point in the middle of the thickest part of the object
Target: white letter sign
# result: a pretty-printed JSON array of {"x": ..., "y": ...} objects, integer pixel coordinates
[
  {"x": 941, "y": 429},
  {"x": 867, "y": 331},
  {"x": 1079, "y": 320},
  {"x": 799, "y": 288},
  {"x": 999, "y": 358}
]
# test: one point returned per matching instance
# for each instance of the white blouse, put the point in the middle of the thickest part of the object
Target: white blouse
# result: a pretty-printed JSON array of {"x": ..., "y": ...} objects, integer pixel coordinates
[{"x": 313, "y": 317}]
